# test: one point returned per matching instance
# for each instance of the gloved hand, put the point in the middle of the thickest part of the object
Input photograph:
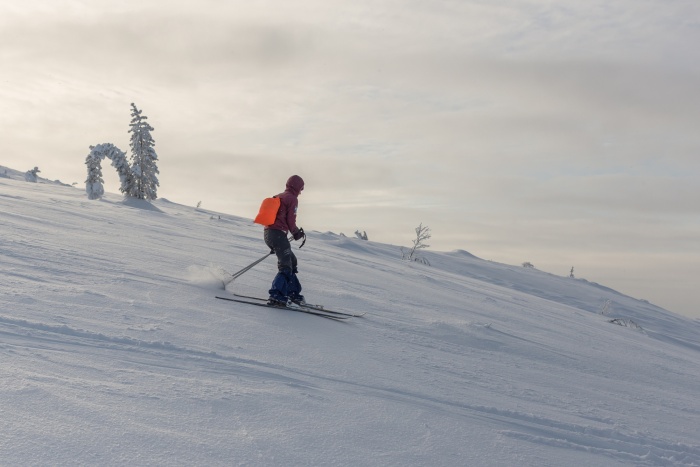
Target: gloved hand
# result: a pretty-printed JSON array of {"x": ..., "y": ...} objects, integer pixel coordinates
[{"x": 298, "y": 234}]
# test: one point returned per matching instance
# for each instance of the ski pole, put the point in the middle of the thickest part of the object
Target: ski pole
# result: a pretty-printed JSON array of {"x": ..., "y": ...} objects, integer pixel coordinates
[{"x": 246, "y": 269}]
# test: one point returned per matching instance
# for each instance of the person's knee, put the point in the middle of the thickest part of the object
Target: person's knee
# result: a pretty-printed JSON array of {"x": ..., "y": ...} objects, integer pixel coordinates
[
  {"x": 287, "y": 273},
  {"x": 284, "y": 260}
]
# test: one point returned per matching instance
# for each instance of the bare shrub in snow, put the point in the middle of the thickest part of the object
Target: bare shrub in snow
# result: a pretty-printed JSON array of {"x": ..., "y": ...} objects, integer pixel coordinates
[
  {"x": 422, "y": 234},
  {"x": 628, "y": 323}
]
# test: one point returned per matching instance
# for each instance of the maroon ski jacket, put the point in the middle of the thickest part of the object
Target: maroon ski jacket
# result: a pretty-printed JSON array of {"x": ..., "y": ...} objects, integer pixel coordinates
[{"x": 287, "y": 215}]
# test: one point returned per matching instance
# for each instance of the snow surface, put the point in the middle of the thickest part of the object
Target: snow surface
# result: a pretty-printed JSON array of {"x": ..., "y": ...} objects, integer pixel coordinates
[{"x": 115, "y": 352}]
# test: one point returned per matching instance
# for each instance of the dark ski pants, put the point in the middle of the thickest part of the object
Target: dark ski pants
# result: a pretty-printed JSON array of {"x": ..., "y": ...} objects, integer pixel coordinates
[{"x": 285, "y": 283}]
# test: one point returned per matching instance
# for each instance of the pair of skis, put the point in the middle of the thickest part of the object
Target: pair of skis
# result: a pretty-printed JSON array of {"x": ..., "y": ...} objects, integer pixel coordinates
[{"x": 317, "y": 310}]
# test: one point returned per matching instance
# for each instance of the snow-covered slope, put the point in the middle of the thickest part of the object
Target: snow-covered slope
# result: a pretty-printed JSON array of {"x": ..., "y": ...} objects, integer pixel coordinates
[{"x": 115, "y": 352}]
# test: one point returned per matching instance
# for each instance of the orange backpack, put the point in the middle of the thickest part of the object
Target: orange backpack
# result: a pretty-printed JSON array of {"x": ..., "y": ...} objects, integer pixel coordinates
[{"x": 268, "y": 211}]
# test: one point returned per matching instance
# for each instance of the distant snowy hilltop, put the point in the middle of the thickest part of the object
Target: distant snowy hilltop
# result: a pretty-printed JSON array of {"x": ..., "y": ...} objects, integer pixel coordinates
[{"x": 30, "y": 175}]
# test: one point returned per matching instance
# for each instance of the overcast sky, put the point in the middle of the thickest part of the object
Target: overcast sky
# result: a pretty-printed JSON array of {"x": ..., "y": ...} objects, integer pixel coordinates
[{"x": 559, "y": 133}]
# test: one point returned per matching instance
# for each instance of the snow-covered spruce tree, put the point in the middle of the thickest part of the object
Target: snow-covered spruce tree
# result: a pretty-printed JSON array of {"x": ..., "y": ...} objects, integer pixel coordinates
[
  {"x": 31, "y": 175},
  {"x": 144, "y": 180},
  {"x": 94, "y": 183},
  {"x": 120, "y": 162}
]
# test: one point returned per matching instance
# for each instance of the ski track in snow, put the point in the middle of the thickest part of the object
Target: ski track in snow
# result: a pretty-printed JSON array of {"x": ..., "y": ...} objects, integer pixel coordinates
[{"x": 115, "y": 352}]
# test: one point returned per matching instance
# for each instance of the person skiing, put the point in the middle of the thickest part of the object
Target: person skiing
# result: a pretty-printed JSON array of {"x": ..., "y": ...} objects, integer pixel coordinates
[{"x": 285, "y": 286}]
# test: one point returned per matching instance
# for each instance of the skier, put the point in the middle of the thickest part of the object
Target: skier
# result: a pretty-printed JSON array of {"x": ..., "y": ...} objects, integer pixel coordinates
[{"x": 285, "y": 286}]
